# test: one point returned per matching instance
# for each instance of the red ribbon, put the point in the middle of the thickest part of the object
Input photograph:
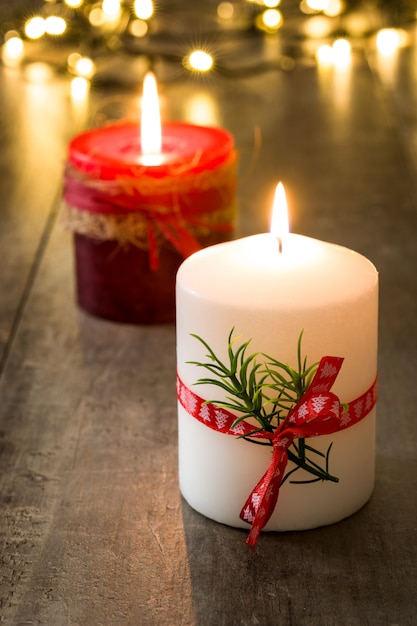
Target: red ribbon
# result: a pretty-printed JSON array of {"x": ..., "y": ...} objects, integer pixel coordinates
[
  {"x": 95, "y": 197},
  {"x": 318, "y": 412}
]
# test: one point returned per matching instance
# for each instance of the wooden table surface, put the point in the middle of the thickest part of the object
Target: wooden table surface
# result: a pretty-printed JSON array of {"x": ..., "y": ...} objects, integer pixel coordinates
[{"x": 92, "y": 525}]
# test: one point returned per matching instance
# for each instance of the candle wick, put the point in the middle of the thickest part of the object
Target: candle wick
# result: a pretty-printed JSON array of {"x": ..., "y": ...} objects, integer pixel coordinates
[{"x": 279, "y": 244}]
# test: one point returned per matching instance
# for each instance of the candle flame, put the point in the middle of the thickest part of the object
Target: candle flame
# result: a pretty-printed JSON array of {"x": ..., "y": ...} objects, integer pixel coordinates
[
  {"x": 151, "y": 133},
  {"x": 279, "y": 220}
]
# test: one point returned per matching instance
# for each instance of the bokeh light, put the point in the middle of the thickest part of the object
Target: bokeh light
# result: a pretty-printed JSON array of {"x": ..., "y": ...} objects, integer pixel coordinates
[
  {"x": 35, "y": 27},
  {"x": 74, "y": 4},
  {"x": 111, "y": 8},
  {"x": 388, "y": 41},
  {"x": 138, "y": 28},
  {"x": 96, "y": 17},
  {"x": 225, "y": 10},
  {"x": 72, "y": 59},
  {"x": 318, "y": 5},
  {"x": 272, "y": 19},
  {"x": 13, "y": 49},
  {"x": 271, "y": 4},
  {"x": 334, "y": 8},
  {"x": 38, "y": 73},
  {"x": 325, "y": 55},
  {"x": 338, "y": 54},
  {"x": 199, "y": 61},
  {"x": 55, "y": 25},
  {"x": 318, "y": 27},
  {"x": 143, "y": 9},
  {"x": 202, "y": 109},
  {"x": 84, "y": 66},
  {"x": 341, "y": 52},
  {"x": 79, "y": 88}
]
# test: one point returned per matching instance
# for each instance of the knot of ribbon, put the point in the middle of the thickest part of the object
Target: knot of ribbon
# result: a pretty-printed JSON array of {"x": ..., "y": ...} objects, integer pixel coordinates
[{"x": 318, "y": 412}]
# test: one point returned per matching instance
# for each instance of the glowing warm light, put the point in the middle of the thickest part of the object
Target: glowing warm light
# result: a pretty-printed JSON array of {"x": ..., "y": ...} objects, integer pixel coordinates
[
  {"x": 74, "y": 4},
  {"x": 201, "y": 109},
  {"x": 325, "y": 55},
  {"x": 318, "y": 5},
  {"x": 150, "y": 128},
  {"x": 35, "y": 27},
  {"x": 304, "y": 8},
  {"x": 84, "y": 67},
  {"x": 334, "y": 8},
  {"x": 279, "y": 221},
  {"x": 143, "y": 9},
  {"x": 13, "y": 49},
  {"x": 341, "y": 52},
  {"x": 138, "y": 28},
  {"x": 225, "y": 10},
  {"x": 55, "y": 25},
  {"x": 272, "y": 18},
  {"x": 73, "y": 58},
  {"x": 271, "y": 4},
  {"x": 96, "y": 17},
  {"x": 111, "y": 8},
  {"x": 38, "y": 73},
  {"x": 200, "y": 61},
  {"x": 79, "y": 88},
  {"x": 388, "y": 41},
  {"x": 318, "y": 27}
]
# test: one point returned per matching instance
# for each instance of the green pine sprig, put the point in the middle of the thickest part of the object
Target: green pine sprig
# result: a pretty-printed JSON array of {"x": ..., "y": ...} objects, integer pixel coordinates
[{"x": 265, "y": 390}]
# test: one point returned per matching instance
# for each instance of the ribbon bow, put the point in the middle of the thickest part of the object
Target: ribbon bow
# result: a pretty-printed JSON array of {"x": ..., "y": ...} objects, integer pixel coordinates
[
  {"x": 94, "y": 197},
  {"x": 318, "y": 412},
  {"x": 120, "y": 197}
]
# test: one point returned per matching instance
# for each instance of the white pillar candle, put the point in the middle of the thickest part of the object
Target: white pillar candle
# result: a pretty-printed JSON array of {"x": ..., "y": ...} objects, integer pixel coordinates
[{"x": 329, "y": 292}]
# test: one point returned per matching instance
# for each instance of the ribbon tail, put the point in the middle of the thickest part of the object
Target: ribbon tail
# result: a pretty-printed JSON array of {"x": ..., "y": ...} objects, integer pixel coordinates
[
  {"x": 326, "y": 374},
  {"x": 220, "y": 227},
  {"x": 260, "y": 505},
  {"x": 178, "y": 235},
  {"x": 153, "y": 248}
]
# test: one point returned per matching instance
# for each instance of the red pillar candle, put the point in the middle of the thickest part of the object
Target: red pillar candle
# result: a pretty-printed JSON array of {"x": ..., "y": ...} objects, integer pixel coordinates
[{"x": 136, "y": 217}]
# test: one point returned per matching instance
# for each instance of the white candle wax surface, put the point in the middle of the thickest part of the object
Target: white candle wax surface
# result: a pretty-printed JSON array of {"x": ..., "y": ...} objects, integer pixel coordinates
[{"x": 329, "y": 292}]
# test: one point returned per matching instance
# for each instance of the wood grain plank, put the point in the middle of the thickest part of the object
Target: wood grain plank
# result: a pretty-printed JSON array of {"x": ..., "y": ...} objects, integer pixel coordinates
[{"x": 33, "y": 135}]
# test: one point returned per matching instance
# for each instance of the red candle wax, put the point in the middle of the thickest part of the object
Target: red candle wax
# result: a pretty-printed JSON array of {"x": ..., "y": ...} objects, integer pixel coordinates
[{"x": 135, "y": 222}]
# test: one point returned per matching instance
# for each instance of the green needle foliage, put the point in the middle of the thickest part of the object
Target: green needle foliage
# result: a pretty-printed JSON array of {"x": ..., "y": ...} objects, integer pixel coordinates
[{"x": 265, "y": 390}]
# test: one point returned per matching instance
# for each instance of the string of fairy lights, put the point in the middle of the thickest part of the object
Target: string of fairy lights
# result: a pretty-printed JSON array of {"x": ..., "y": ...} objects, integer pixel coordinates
[{"x": 87, "y": 32}]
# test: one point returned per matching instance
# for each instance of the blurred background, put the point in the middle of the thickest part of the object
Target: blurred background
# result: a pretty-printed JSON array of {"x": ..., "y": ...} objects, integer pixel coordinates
[
  {"x": 92, "y": 56},
  {"x": 113, "y": 42},
  {"x": 110, "y": 40}
]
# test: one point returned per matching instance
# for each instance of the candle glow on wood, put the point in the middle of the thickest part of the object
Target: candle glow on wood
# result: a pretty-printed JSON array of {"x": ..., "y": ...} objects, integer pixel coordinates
[
  {"x": 151, "y": 132},
  {"x": 279, "y": 221}
]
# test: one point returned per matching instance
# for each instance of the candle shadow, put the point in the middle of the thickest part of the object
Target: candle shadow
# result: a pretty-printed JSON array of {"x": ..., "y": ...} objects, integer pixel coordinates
[{"x": 351, "y": 573}]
